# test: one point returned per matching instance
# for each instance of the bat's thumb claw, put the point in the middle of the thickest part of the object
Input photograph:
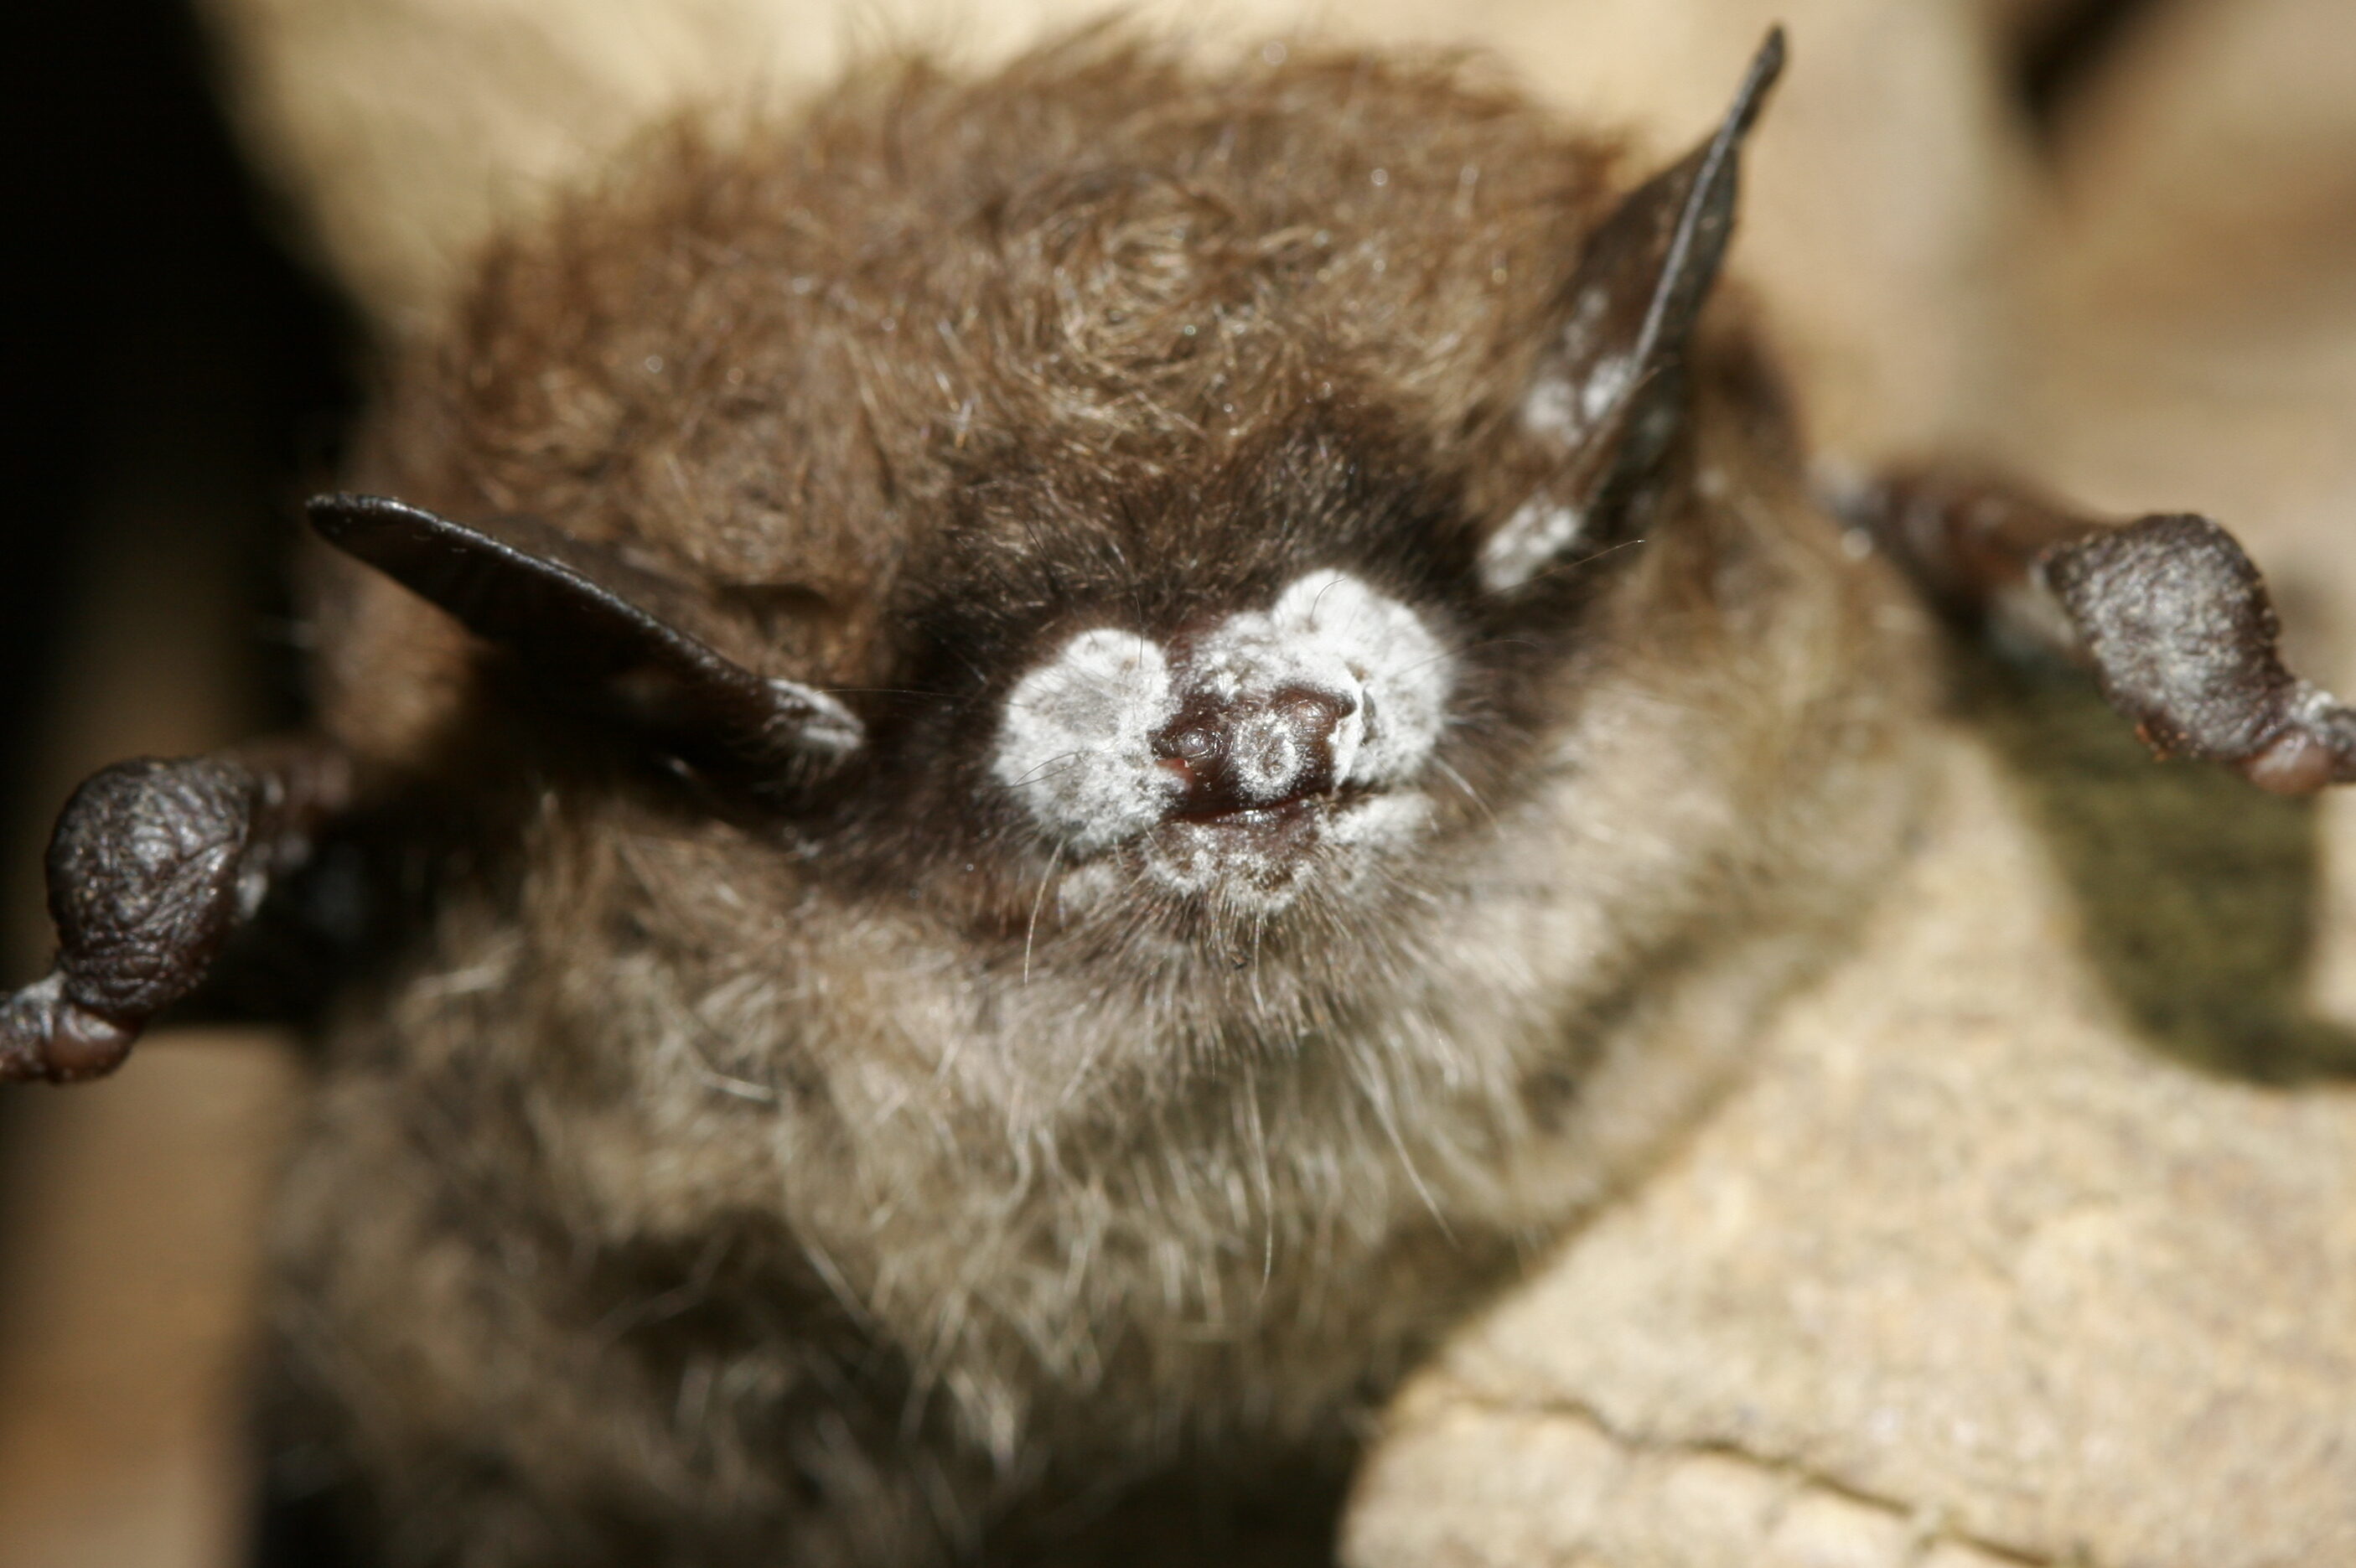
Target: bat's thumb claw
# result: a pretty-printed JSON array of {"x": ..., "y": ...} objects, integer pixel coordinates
[
  {"x": 46, "y": 1035},
  {"x": 2297, "y": 764}
]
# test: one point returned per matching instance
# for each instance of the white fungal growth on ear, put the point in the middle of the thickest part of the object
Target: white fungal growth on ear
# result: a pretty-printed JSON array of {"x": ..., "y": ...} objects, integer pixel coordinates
[
  {"x": 1606, "y": 382},
  {"x": 1564, "y": 409},
  {"x": 1565, "y": 406},
  {"x": 1539, "y": 532},
  {"x": 1569, "y": 398},
  {"x": 1076, "y": 744},
  {"x": 1550, "y": 410}
]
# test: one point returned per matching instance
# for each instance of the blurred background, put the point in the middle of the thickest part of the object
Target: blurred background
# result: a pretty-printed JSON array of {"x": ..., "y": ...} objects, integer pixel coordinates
[
  {"x": 180, "y": 378},
  {"x": 2112, "y": 240}
]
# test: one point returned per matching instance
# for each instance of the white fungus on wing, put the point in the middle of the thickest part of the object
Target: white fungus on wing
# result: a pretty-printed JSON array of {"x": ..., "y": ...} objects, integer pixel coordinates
[{"x": 1076, "y": 745}]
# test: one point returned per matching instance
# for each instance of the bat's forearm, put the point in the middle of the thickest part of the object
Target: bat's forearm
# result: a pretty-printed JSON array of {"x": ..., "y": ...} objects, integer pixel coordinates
[{"x": 2168, "y": 612}]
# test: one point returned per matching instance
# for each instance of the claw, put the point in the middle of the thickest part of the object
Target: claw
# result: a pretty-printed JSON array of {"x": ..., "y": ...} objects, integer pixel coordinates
[
  {"x": 43, "y": 1035},
  {"x": 151, "y": 867}
]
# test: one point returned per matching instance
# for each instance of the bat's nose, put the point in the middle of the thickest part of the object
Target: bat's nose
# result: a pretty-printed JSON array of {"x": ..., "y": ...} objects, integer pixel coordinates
[{"x": 1269, "y": 750}]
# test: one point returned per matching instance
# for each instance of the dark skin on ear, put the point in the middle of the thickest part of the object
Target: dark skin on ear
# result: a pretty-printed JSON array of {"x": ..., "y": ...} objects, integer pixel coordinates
[{"x": 1089, "y": 745}]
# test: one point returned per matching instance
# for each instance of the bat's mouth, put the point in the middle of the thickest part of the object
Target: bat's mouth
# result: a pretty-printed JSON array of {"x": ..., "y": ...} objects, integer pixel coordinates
[
  {"x": 1294, "y": 815},
  {"x": 1254, "y": 818},
  {"x": 1259, "y": 843},
  {"x": 1290, "y": 819},
  {"x": 1261, "y": 858}
]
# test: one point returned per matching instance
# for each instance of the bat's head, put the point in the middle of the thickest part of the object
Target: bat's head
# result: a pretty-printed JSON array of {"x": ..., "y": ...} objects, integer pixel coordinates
[{"x": 1114, "y": 512}]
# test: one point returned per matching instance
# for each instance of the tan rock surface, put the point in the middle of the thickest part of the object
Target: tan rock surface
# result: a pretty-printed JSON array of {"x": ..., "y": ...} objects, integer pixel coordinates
[
  {"x": 132, "y": 1264},
  {"x": 1966, "y": 1267}
]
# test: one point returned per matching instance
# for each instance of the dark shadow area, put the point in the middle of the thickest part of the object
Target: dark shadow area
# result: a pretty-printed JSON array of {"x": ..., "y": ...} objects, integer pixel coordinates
[
  {"x": 177, "y": 377},
  {"x": 1283, "y": 1515},
  {"x": 2067, "y": 49},
  {"x": 2199, "y": 891},
  {"x": 173, "y": 363}
]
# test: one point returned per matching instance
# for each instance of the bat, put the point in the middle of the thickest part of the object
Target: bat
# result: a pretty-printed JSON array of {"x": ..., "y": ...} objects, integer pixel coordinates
[{"x": 1074, "y": 750}]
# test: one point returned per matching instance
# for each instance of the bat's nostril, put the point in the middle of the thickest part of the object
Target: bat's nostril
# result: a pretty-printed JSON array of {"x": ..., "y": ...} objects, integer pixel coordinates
[
  {"x": 1314, "y": 715},
  {"x": 1194, "y": 745},
  {"x": 1255, "y": 752}
]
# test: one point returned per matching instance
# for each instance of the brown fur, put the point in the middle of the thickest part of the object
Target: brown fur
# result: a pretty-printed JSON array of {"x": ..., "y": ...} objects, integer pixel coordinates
[{"x": 832, "y": 1186}]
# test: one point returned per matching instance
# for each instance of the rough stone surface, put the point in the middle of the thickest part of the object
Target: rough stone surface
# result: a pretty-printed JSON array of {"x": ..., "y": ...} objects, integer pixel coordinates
[{"x": 1967, "y": 1275}]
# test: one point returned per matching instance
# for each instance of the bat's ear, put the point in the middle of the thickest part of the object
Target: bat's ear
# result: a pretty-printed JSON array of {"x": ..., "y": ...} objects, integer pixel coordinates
[
  {"x": 596, "y": 630},
  {"x": 1612, "y": 391}
]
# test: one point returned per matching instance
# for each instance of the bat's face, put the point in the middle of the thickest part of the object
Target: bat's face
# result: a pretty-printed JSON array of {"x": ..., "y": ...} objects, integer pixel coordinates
[
  {"x": 1225, "y": 533},
  {"x": 1185, "y": 696}
]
